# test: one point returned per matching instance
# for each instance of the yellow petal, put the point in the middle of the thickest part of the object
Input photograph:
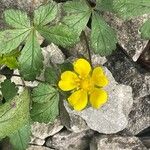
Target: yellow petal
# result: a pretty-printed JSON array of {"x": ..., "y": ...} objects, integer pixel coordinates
[
  {"x": 82, "y": 67},
  {"x": 68, "y": 81},
  {"x": 78, "y": 100},
  {"x": 99, "y": 77},
  {"x": 98, "y": 97}
]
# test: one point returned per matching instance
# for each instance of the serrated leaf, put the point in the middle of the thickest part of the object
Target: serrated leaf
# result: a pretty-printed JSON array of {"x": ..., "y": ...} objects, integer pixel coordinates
[
  {"x": 11, "y": 39},
  {"x": 10, "y": 60},
  {"x": 21, "y": 138},
  {"x": 47, "y": 111},
  {"x": 131, "y": 8},
  {"x": 14, "y": 114},
  {"x": 60, "y": 35},
  {"x": 78, "y": 14},
  {"x": 43, "y": 93},
  {"x": 17, "y": 19},
  {"x": 8, "y": 89},
  {"x": 103, "y": 38},
  {"x": 145, "y": 30},
  {"x": 31, "y": 59},
  {"x": 50, "y": 75},
  {"x": 45, "y": 13}
]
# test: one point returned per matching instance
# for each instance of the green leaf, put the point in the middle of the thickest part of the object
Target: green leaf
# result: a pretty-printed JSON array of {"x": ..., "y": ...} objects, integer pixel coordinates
[
  {"x": 60, "y": 35},
  {"x": 145, "y": 30},
  {"x": 21, "y": 138},
  {"x": 51, "y": 75},
  {"x": 131, "y": 8},
  {"x": 11, "y": 39},
  {"x": 45, "y": 13},
  {"x": 66, "y": 66},
  {"x": 14, "y": 114},
  {"x": 78, "y": 14},
  {"x": 104, "y": 5},
  {"x": 31, "y": 59},
  {"x": 43, "y": 93},
  {"x": 48, "y": 110},
  {"x": 9, "y": 89},
  {"x": 17, "y": 19},
  {"x": 103, "y": 38},
  {"x": 10, "y": 60}
]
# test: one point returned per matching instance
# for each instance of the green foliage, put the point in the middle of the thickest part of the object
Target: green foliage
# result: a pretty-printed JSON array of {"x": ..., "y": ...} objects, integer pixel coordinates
[
  {"x": 128, "y": 9},
  {"x": 45, "y": 107},
  {"x": 78, "y": 14},
  {"x": 103, "y": 38},
  {"x": 10, "y": 60},
  {"x": 21, "y": 137},
  {"x": 45, "y": 14},
  {"x": 10, "y": 39},
  {"x": 17, "y": 19},
  {"x": 145, "y": 30},
  {"x": 31, "y": 59},
  {"x": 8, "y": 89},
  {"x": 51, "y": 75},
  {"x": 14, "y": 114},
  {"x": 60, "y": 35}
]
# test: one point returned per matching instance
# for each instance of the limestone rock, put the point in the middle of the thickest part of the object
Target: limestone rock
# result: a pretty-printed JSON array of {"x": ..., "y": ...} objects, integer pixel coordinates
[
  {"x": 113, "y": 116},
  {"x": 36, "y": 141},
  {"x": 128, "y": 33},
  {"x": 42, "y": 130},
  {"x": 127, "y": 72},
  {"x": 114, "y": 142},
  {"x": 66, "y": 140}
]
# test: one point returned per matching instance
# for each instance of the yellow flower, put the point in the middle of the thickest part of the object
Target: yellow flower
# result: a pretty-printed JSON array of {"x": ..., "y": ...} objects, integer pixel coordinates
[{"x": 85, "y": 85}]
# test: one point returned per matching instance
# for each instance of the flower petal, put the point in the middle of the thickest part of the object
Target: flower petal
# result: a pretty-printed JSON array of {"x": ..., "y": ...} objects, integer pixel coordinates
[
  {"x": 99, "y": 77},
  {"x": 78, "y": 100},
  {"x": 68, "y": 81},
  {"x": 98, "y": 97},
  {"x": 82, "y": 67}
]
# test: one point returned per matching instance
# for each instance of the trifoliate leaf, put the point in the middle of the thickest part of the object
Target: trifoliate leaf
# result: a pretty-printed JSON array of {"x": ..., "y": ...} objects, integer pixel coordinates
[
  {"x": 60, "y": 35},
  {"x": 145, "y": 30},
  {"x": 45, "y": 13},
  {"x": 103, "y": 38},
  {"x": 51, "y": 75},
  {"x": 78, "y": 14},
  {"x": 47, "y": 111},
  {"x": 17, "y": 19},
  {"x": 43, "y": 93},
  {"x": 21, "y": 137},
  {"x": 130, "y": 8},
  {"x": 14, "y": 114},
  {"x": 11, "y": 39},
  {"x": 31, "y": 59},
  {"x": 9, "y": 89},
  {"x": 10, "y": 60}
]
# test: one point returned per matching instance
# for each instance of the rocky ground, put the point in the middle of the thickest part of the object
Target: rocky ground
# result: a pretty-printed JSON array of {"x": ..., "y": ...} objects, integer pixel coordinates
[{"x": 123, "y": 123}]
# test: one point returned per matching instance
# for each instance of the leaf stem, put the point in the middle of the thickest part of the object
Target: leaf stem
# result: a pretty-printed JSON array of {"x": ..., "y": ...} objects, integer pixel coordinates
[{"x": 88, "y": 47}]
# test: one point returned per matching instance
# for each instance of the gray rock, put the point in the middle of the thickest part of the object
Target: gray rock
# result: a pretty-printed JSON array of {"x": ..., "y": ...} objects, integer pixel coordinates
[
  {"x": 33, "y": 147},
  {"x": 113, "y": 116},
  {"x": 53, "y": 54},
  {"x": 127, "y": 72},
  {"x": 27, "y": 5},
  {"x": 114, "y": 142},
  {"x": 42, "y": 130},
  {"x": 36, "y": 141},
  {"x": 66, "y": 140},
  {"x": 128, "y": 33}
]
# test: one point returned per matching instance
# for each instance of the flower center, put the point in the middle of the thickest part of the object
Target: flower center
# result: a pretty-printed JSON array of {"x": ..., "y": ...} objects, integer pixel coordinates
[{"x": 86, "y": 84}]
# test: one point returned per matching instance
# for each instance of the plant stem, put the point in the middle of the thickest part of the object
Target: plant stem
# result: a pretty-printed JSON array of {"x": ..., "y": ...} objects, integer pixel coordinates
[{"x": 88, "y": 47}]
